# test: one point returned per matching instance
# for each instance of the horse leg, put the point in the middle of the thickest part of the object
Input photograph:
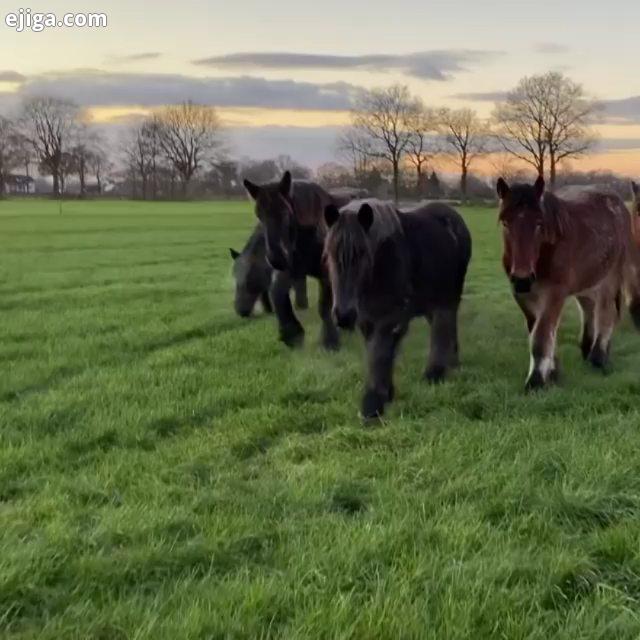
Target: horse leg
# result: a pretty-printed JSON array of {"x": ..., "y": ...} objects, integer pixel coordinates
[
  {"x": 291, "y": 331},
  {"x": 607, "y": 314},
  {"x": 266, "y": 302},
  {"x": 330, "y": 335},
  {"x": 527, "y": 307},
  {"x": 300, "y": 289},
  {"x": 543, "y": 344},
  {"x": 442, "y": 350},
  {"x": 587, "y": 307},
  {"x": 382, "y": 347}
]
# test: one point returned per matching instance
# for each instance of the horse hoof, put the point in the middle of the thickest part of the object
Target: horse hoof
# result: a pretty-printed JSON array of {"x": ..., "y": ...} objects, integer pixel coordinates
[
  {"x": 599, "y": 360},
  {"x": 534, "y": 383},
  {"x": 331, "y": 341},
  {"x": 302, "y": 305},
  {"x": 634, "y": 310},
  {"x": 292, "y": 336},
  {"x": 435, "y": 374},
  {"x": 372, "y": 406}
]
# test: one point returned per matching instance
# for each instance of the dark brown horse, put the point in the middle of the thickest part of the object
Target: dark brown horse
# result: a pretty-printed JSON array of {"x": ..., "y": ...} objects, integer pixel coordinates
[
  {"x": 253, "y": 274},
  {"x": 291, "y": 214},
  {"x": 558, "y": 246},
  {"x": 387, "y": 267}
]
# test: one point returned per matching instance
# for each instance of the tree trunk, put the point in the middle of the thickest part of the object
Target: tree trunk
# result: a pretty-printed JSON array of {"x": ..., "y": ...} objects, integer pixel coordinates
[
  {"x": 185, "y": 187},
  {"x": 552, "y": 170},
  {"x": 419, "y": 179},
  {"x": 463, "y": 182},
  {"x": 2, "y": 185},
  {"x": 144, "y": 186},
  {"x": 396, "y": 181},
  {"x": 56, "y": 183},
  {"x": 81, "y": 177}
]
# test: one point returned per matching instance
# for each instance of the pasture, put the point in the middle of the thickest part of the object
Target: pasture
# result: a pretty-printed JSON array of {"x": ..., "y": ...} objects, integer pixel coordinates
[{"x": 170, "y": 471}]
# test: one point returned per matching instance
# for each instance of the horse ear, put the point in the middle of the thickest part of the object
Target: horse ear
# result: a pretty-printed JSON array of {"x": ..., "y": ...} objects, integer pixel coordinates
[
  {"x": 502, "y": 188},
  {"x": 252, "y": 189},
  {"x": 286, "y": 184},
  {"x": 365, "y": 216},
  {"x": 539, "y": 187},
  {"x": 331, "y": 215},
  {"x": 234, "y": 254},
  {"x": 635, "y": 189}
]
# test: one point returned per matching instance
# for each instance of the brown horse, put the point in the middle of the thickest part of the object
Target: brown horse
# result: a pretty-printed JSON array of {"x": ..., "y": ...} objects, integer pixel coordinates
[
  {"x": 633, "y": 270},
  {"x": 635, "y": 192},
  {"x": 556, "y": 247}
]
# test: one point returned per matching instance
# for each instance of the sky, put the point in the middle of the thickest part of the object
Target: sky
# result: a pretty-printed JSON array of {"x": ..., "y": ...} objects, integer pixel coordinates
[{"x": 283, "y": 74}]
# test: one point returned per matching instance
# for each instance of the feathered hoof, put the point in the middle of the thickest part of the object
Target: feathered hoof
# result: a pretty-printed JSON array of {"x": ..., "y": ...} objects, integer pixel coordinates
[
  {"x": 435, "y": 374},
  {"x": 535, "y": 382},
  {"x": 292, "y": 335},
  {"x": 372, "y": 406}
]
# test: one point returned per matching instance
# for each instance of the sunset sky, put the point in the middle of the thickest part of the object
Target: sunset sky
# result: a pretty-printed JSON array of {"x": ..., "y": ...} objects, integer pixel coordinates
[{"x": 283, "y": 74}]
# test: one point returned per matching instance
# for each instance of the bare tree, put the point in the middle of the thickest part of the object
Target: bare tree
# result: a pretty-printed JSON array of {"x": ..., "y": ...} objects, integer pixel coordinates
[
  {"x": 142, "y": 151},
  {"x": 9, "y": 151},
  {"x": 189, "y": 136},
  {"x": 356, "y": 150},
  {"x": 99, "y": 164},
  {"x": 382, "y": 116},
  {"x": 545, "y": 119},
  {"x": 48, "y": 124},
  {"x": 465, "y": 135},
  {"x": 569, "y": 134},
  {"x": 421, "y": 124}
]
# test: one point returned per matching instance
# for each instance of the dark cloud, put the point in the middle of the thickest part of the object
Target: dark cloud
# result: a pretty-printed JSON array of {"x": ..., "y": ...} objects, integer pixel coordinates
[
  {"x": 91, "y": 88},
  {"x": 135, "y": 57},
  {"x": 617, "y": 144},
  {"x": 427, "y": 65},
  {"x": 550, "y": 48},
  {"x": 11, "y": 76},
  {"x": 625, "y": 111},
  {"x": 480, "y": 96}
]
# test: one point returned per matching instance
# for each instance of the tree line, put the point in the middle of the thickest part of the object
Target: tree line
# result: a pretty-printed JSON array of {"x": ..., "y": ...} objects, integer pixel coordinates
[{"x": 544, "y": 121}]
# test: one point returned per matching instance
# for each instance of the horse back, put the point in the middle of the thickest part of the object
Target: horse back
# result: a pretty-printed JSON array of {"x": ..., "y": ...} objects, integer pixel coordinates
[{"x": 439, "y": 243}]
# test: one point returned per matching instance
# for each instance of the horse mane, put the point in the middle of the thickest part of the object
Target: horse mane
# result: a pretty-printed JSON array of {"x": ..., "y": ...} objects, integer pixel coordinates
[
  {"x": 386, "y": 221},
  {"x": 556, "y": 217}
]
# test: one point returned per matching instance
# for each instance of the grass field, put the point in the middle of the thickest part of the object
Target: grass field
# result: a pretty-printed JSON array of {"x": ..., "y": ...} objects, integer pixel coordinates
[{"x": 169, "y": 471}]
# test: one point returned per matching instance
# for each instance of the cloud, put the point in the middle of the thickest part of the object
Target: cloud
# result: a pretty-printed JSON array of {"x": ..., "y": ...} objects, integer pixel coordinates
[
  {"x": 11, "y": 76},
  {"x": 550, "y": 48},
  {"x": 617, "y": 144},
  {"x": 310, "y": 145},
  {"x": 481, "y": 96},
  {"x": 624, "y": 111},
  {"x": 135, "y": 57},
  {"x": 93, "y": 88},
  {"x": 426, "y": 65}
]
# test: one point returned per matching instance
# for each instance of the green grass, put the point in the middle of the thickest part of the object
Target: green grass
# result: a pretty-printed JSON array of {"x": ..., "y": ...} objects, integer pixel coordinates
[{"x": 170, "y": 471}]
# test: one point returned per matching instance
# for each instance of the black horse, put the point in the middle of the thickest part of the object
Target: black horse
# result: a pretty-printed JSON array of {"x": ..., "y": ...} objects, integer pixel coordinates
[
  {"x": 388, "y": 266},
  {"x": 291, "y": 214},
  {"x": 253, "y": 274}
]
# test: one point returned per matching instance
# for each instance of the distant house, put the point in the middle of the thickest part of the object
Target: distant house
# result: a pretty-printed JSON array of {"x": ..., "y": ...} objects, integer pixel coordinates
[{"x": 19, "y": 185}]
